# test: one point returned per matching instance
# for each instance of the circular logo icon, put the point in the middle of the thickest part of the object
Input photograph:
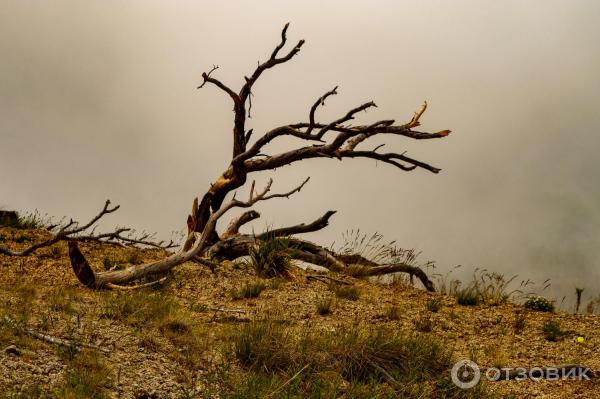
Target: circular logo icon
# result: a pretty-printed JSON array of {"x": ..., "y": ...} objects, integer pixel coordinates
[{"x": 465, "y": 374}]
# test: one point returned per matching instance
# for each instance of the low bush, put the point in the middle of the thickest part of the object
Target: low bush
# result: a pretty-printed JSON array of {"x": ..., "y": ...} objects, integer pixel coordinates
[
  {"x": 539, "y": 303},
  {"x": 552, "y": 331}
]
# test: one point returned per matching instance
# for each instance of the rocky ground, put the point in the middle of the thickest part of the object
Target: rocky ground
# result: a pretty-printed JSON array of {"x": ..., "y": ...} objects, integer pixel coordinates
[{"x": 171, "y": 341}]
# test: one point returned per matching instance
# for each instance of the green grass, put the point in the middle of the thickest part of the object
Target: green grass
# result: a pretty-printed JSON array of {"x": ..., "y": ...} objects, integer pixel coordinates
[
  {"x": 433, "y": 305},
  {"x": 324, "y": 306},
  {"x": 348, "y": 292},
  {"x": 467, "y": 297},
  {"x": 87, "y": 376},
  {"x": 271, "y": 257},
  {"x": 32, "y": 220},
  {"x": 539, "y": 303},
  {"x": 373, "y": 361},
  {"x": 248, "y": 291},
  {"x": 552, "y": 331}
]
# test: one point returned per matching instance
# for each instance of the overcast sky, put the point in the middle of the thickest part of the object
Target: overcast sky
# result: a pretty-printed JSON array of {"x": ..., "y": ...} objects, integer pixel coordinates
[{"x": 98, "y": 100}]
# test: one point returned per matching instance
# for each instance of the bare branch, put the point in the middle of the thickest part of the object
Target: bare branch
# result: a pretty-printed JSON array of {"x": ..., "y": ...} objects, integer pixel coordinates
[
  {"x": 89, "y": 278},
  {"x": 318, "y": 224},
  {"x": 208, "y": 79},
  {"x": 270, "y": 63},
  {"x": 313, "y": 109},
  {"x": 235, "y": 224}
]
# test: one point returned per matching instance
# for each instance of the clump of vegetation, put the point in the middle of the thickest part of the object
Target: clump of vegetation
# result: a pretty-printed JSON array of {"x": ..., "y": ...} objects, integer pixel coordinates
[
  {"x": 271, "y": 257},
  {"x": 348, "y": 292},
  {"x": 433, "y": 305},
  {"x": 467, "y": 297},
  {"x": 593, "y": 305},
  {"x": 324, "y": 306},
  {"x": 22, "y": 238},
  {"x": 488, "y": 287},
  {"x": 32, "y": 220},
  {"x": 539, "y": 303},
  {"x": 138, "y": 308},
  {"x": 62, "y": 300},
  {"x": 375, "y": 361},
  {"x": 87, "y": 376},
  {"x": 552, "y": 331},
  {"x": 424, "y": 324},
  {"x": 248, "y": 290}
]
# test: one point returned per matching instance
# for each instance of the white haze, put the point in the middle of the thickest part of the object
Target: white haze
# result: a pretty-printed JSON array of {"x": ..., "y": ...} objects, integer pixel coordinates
[{"x": 98, "y": 100}]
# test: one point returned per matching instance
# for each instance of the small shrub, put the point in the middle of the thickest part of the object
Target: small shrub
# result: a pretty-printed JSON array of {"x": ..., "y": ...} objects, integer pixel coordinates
[
  {"x": 249, "y": 290},
  {"x": 467, "y": 297},
  {"x": 433, "y": 305},
  {"x": 271, "y": 257},
  {"x": 539, "y": 303},
  {"x": 348, "y": 292},
  {"x": 552, "y": 331},
  {"x": 324, "y": 306}
]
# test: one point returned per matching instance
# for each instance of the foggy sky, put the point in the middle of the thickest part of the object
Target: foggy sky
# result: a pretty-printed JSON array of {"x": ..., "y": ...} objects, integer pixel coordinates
[{"x": 98, "y": 100}]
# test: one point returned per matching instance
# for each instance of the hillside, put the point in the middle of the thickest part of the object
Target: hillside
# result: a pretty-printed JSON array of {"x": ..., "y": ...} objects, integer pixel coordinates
[{"x": 197, "y": 335}]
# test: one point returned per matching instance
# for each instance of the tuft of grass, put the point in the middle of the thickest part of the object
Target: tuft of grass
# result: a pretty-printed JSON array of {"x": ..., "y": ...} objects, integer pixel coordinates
[
  {"x": 324, "y": 306},
  {"x": 467, "y": 297},
  {"x": 248, "y": 290},
  {"x": 62, "y": 300},
  {"x": 271, "y": 257},
  {"x": 31, "y": 220},
  {"x": 433, "y": 305},
  {"x": 539, "y": 303},
  {"x": 348, "y": 292},
  {"x": 373, "y": 360},
  {"x": 87, "y": 376},
  {"x": 424, "y": 324},
  {"x": 138, "y": 308},
  {"x": 552, "y": 331}
]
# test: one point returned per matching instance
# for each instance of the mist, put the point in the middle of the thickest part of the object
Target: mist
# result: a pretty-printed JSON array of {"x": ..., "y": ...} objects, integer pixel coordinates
[{"x": 98, "y": 100}]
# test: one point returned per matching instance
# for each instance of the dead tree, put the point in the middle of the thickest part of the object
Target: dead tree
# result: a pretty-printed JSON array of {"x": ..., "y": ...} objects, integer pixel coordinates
[{"x": 337, "y": 139}]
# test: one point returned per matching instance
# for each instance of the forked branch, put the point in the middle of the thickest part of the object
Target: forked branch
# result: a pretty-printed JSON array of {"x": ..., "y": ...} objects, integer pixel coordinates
[{"x": 114, "y": 278}]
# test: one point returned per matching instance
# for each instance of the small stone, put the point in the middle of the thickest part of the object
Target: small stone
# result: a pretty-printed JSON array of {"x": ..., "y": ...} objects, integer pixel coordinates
[{"x": 12, "y": 350}]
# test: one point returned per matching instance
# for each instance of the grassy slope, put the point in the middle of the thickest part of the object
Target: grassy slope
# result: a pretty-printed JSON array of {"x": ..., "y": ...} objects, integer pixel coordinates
[{"x": 168, "y": 343}]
